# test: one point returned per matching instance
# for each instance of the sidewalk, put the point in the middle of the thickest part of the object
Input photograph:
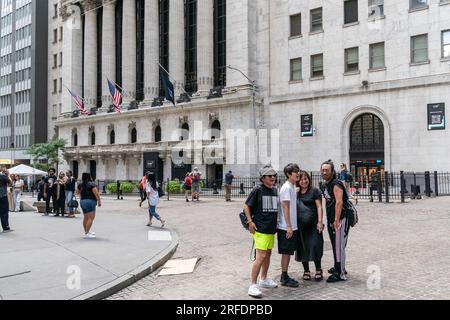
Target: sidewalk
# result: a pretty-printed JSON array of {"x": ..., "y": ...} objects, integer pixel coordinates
[{"x": 44, "y": 256}]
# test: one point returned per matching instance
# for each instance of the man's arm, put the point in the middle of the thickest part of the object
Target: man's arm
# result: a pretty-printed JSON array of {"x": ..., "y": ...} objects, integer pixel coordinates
[
  {"x": 339, "y": 196},
  {"x": 287, "y": 218},
  {"x": 251, "y": 225}
]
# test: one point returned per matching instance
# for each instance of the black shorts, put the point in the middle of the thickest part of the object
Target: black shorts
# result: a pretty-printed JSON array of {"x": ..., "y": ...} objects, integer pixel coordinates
[{"x": 287, "y": 246}]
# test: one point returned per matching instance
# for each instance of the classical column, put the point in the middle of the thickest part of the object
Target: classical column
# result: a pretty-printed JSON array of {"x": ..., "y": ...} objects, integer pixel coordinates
[
  {"x": 90, "y": 55},
  {"x": 129, "y": 51},
  {"x": 176, "y": 43},
  {"x": 108, "y": 49},
  {"x": 72, "y": 51},
  {"x": 151, "y": 48},
  {"x": 205, "y": 45}
]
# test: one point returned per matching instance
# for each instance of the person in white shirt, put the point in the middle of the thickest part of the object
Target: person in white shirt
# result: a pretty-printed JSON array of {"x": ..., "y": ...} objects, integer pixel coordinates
[
  {"x": 153, "y": 199},
  {"x": 18, "y": 190},
  {"x": 287, "y": 223}
]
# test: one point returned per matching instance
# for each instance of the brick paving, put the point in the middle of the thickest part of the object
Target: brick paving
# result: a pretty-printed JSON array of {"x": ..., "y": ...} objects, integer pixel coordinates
[{"x": 409, "y": 243}]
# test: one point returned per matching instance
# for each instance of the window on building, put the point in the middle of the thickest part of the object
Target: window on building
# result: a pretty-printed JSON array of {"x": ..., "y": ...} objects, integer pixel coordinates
[
  {"x": 93, "y": 139},
  {"x": 60, "y": 59},
  {"x": 296, "y": 25},
  {"x": 220, "y": 43},
  {"x": 446, "y": 44},
  {"x": 60, "y": 85},
  {"x": 352, "y": 59},
  {"x": 112, "y": 137},
  {"x": 376, "y": 52},
  {"x": 118, "y": 31},
  {"x": 414, "y": 4},
  {"x": 133, "y": 135},
  {"x": 140, "y": 27},
  {"x": 158, "y": 134},
  {"x": 184, "y": 132},
  {"x": 296, "y": 69},
  {"x": 163, "y": 39},
  {"x": 60, "y": 34},
  {"x": 317, "y": 66},
  {"x": 55, "y": 35},
  {"x": 99, "y": 70},
  {"x": 419, "y": 48},
  {"x": 55, "y": 86},
  {"x": 55, "y": 8},
  {"x": 75, "y": 140},
  {"x": 190, "y": 30},
  {"x": 376, "y": 8},
  {"x": 55, "y": 61},
  {"x": 350, "y": 11},
  {"x": 316, "y": 20}
]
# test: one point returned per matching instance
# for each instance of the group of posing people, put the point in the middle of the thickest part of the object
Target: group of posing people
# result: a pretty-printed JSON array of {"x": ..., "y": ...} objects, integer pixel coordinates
[
  {"x": 295, "y": 215},
  {"x": 191, "y": 185}
]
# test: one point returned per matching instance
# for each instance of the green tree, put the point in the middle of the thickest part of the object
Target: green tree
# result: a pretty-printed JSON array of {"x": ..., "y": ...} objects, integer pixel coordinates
[{"x": 48, "y": 151}]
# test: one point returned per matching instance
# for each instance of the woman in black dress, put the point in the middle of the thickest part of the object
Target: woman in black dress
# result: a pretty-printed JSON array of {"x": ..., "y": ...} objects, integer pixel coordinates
[{"x": 310, "y": 223}]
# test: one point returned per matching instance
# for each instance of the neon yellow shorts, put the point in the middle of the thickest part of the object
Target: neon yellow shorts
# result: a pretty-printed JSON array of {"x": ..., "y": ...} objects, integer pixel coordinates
[{"x": 263, "y": 241}]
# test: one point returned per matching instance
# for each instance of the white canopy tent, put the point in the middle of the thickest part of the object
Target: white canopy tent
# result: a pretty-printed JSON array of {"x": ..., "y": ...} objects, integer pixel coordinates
[{"x": 23, "y": 170}]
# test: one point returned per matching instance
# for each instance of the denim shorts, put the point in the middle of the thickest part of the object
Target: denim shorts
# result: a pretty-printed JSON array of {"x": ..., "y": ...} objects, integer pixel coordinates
[{"x": 88, "y": 205}]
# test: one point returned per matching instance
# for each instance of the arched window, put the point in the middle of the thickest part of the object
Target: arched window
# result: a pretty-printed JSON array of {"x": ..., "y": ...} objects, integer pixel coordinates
[
  {"x": 367, "y": 133},
  {"x": 93, "y": 139},
  {"x": 158, "y": 134},
  {"x": 215, "y": 130},
  {"x": 75, "y": 140},
  {"x": 133, "y": 135},
  {"x": 184, "y": 132},
  {"x": 112, "y": 137}
]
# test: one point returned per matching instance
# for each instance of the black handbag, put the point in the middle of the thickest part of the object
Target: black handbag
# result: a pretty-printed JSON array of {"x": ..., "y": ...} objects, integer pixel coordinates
[{"x": 73, "y": 203}]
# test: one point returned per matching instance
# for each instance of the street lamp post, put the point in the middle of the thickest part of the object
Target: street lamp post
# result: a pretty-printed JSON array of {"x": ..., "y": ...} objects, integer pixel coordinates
[
  {"x": 254, "y": 87},
  {"x": 12, "y": 155}
]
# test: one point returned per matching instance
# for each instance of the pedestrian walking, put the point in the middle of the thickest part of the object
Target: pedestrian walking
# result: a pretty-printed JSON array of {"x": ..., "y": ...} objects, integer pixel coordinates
[
  {"x": 310, "y": 221},
  {"x": 287, "y": 229},
  {"x": 261, "y": 210},
  {"x": 70, "y": 186},
  {"x": 90, "y": 199},
  {"x": 153, "y": 200},
  {"x": 229, "y": 177},
  {"x": 335, "y": 194},
  {"x": 187, "y": 186},
  {"x": 142, "y": 186},
  {"x": 196, "y": 178},
  {"x": 50, "y": 190},
  {"x": 60, "y": 204},
  {"x": 17, "y": 192},
  {"x": 5, "y": 181}
]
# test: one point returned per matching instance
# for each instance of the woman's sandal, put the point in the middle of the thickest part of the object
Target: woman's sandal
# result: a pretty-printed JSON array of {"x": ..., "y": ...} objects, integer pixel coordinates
[
  {"x": 307, "y": 276},
  {"x": 319, "y": 275}
]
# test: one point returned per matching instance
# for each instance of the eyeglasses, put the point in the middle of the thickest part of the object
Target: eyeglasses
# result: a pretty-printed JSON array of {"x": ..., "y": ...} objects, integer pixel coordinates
[{"x": 272, "y": 176}]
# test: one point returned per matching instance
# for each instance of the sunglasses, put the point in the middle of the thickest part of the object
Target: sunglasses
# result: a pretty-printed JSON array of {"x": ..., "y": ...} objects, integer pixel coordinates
[{"x": 272, "y": 176}]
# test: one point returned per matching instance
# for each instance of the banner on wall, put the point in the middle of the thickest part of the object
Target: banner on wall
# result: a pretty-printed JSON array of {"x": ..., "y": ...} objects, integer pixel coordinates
[
  {"x": 436, "y": 116},
  {"x": 307, "y": 125}
]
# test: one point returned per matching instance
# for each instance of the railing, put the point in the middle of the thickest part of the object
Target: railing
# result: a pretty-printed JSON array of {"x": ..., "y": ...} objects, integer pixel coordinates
[{"x": 378, "y": 187}]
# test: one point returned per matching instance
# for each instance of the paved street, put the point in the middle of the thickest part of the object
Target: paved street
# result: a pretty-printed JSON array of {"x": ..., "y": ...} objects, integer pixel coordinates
[{"x": 407, "y": 243}]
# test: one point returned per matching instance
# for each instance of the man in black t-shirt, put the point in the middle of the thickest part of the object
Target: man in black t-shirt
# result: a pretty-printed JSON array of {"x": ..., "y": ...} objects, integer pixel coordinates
[
  {"x": 335, "y": 193},
  {"x": 261, "y": 209},
  {"x": 49, "y": 190}
]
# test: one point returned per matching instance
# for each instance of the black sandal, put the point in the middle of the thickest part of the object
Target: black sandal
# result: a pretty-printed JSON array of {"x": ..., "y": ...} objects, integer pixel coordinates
[
  {"x": 319, "y": 275},
  {"x": 307, "y": 276}
]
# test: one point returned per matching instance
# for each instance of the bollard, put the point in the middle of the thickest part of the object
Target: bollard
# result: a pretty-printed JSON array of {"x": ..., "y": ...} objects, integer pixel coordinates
[
  {"x": 402, "y": 186},
  {"x": 380, "y": 187},
  {"x": 168, "y": 190},
  {"x": 242, "y": 189},
  {"x": 371, "y": 193},
  {"x": 427, "y": 184},
  {"x": 386, "y": 185},
  {"x": 104, "y": 189},
  {"x": 118, "y": 190},
  {"x": 215, "y": 187},
  {"x": 436, "y": 184}
]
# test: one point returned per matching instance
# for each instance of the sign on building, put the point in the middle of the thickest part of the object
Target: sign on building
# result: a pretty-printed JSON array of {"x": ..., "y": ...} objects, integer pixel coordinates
[
  {"x": 436, "y": 116},
  {"x": 307, "y": 125}
]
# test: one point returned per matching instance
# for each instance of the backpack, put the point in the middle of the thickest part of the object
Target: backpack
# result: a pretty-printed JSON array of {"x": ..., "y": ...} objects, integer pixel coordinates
[
  {"x": 242, "y": 215},
  {"x": 348, "y": 207}
]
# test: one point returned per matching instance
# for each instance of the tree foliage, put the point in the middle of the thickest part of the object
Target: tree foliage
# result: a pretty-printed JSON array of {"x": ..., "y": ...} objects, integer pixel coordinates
[{"x": 47, "y": 151}]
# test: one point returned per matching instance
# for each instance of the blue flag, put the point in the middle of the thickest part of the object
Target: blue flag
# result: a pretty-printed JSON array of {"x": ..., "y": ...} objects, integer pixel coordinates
[{"x": 168, "y": 86}]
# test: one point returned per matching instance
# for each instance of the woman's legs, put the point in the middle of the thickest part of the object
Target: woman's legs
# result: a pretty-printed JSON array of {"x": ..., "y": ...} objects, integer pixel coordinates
[
  {"x": 155, "y": 215},
  {"x": 89, "y": 222},
  {"x": 261, "y": 259},
  {"x": 318, "y": 265},
  {"x": 306, "y": 266},
  {"x": 17, "y": 201}
]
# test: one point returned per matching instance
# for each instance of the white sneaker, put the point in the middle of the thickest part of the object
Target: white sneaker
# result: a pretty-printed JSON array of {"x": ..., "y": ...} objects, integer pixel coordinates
[
  {"x": 254, "y": 291},
  {"x": 89, "y": 236},
  {"x": 268, "y": 283}
]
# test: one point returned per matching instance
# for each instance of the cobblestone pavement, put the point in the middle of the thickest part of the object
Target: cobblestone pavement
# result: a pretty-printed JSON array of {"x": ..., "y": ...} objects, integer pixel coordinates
[{"x": 407, "y": 243}]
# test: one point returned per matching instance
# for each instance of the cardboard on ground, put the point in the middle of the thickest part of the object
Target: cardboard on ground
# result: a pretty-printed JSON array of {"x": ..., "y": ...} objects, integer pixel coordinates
[{"x": 175, "y": 267}]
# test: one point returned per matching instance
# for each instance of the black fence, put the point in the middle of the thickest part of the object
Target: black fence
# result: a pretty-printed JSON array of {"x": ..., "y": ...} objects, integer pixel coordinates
[{"x": 379, "y": 187}]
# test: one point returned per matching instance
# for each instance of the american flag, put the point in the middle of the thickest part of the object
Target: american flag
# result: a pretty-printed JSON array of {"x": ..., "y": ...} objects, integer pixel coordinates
[
  {"x": 79, "y": 103},
  {"x": 116, "y": 95}
]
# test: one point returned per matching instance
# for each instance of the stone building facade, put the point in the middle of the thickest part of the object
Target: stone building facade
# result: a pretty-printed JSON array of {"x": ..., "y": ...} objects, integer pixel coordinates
[{"x": 348, "y": 80}]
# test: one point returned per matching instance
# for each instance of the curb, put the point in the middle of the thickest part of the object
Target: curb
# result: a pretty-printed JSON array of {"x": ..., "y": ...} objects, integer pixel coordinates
[{"x": 137, "y": 274}]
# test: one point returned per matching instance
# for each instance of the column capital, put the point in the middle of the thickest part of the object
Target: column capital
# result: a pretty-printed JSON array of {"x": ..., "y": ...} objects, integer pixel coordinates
[{"x": 92, "y": 4}]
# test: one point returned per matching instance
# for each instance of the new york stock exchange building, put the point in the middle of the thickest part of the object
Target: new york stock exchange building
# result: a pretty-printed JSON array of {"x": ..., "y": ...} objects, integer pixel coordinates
[{"x": 365, "y": 85}]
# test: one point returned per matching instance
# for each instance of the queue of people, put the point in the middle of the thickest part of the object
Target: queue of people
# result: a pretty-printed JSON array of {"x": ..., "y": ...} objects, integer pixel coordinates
[{"x": 295, "y": 216}]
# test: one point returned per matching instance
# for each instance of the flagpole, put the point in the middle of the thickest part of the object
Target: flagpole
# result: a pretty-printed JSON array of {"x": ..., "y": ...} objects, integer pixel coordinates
[
  {"x": 113, "y": 82},
  {"x": 77, "y": 95},
  {"x": 175, "y": 81}
]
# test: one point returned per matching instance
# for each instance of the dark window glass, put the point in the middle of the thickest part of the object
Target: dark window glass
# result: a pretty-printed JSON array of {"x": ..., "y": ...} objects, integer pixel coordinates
[
  {"x": 350, "y": 11},
  {"x": 185, "y": 132},
  {"x": 119, "y": 26},
  {"x": 413, "y": 4},
  {"x": 220, "y": 43},
  {"x": 316, "y": 20},
  {"x": 112, "y": 137},
  {"x": 367, "y": 133},
  {"x": 317, "y": 66},
  {"x": 99, "y": 56},
  {"x": 163, "y": 39},
  {"x": 158, "y": 134},
  {"x": 190, "y": 29},
  {"x": 351, "y": 59},
  {"x": 140, "y": 27},
  {"x": 134, "y": 135},
  {"x": 75, "y": 140},
  {"x": 93, "y": 139},
  {"x": 296, "y": 25}
]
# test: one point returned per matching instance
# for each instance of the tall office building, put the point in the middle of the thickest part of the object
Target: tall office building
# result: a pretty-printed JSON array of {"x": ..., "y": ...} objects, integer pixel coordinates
[{"x": 23, "y": 78}]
